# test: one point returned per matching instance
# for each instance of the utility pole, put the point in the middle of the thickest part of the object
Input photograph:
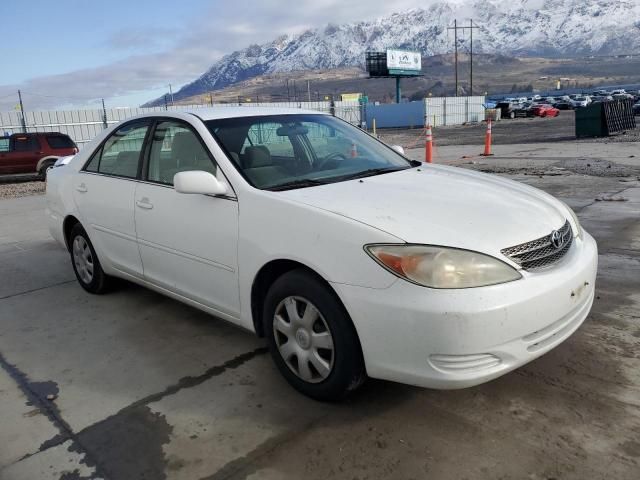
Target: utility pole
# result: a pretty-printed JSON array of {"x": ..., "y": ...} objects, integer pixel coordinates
[
  {"x": 166, "y": 106},
  {"x": 171, "y": 93},
  {"x": 455, "y": 46},
  {"x": 211, "y": 99},
  {"x": 308, "y": 91},
  {"x": 471, "y": 57},
  {"x": 455, "y": 29},
  {"x": 22, "y": 120},
  {"x": 288, "y": 92}
]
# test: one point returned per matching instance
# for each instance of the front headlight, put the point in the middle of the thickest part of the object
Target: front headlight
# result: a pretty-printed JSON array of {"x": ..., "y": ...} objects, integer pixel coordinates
[
  {"x": 442, "y": 267},
  {"x": 576, "y": 222}
]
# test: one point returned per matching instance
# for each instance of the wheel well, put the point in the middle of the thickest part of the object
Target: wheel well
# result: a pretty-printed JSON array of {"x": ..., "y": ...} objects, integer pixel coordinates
[
  {"x": 44, "y": 160},
  {"x": 67, "y": 226},
  {"x": 264, "y": 279}
]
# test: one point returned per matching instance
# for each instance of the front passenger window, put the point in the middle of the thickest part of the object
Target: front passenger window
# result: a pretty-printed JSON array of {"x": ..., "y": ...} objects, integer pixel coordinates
[{"x": 176, "y": 148}]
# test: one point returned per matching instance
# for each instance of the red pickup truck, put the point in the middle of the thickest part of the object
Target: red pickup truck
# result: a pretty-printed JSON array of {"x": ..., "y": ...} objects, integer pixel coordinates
[{"x": 34, "y": 152}]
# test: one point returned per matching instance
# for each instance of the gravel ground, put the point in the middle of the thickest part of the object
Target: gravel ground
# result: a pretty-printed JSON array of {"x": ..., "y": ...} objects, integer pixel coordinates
[{"x": 14, "y": 190}]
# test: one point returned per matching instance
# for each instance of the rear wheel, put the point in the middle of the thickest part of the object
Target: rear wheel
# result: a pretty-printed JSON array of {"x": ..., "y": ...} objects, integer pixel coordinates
[
  {"x": 311, "y": 337},
  {"x": 85, "y": 262},
  {"x": 42, "y": 173}
]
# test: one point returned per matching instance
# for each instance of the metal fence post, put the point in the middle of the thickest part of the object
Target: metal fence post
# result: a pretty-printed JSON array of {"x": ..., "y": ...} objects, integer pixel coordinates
[
  {"x": 22, "y": 119},
  {"x": 444, "y": 110},
  {"x": 466, "y": 109},
  {"x": 104, "y": 115},
  {"x": 332, "y": 106}
]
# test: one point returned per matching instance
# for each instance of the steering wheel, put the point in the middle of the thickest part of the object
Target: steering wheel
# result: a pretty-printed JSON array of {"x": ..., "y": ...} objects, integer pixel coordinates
[{"x": 331, "y": 159}]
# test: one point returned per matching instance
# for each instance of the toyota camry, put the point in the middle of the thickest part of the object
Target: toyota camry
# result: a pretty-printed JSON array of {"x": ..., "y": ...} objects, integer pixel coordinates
[{"x": 352, "y": 260}]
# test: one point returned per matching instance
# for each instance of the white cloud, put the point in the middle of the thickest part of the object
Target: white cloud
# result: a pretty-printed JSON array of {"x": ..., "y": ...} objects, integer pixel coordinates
[{"x": 188, "y": 50}]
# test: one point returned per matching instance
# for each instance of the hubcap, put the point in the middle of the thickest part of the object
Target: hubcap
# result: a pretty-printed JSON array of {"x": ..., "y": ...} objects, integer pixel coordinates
[
  {"x": 303, "y": 339},
  {"x": 83, "y": 259}
]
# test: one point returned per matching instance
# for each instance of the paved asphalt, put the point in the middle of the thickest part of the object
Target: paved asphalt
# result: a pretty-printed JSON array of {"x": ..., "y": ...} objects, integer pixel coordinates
[{"x": 132, "y": 385}]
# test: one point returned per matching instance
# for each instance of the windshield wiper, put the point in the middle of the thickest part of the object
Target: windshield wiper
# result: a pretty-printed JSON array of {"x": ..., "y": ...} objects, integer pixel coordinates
[
  {"x": 299, "y": 183},
  {"x": 369, "y": 173}
]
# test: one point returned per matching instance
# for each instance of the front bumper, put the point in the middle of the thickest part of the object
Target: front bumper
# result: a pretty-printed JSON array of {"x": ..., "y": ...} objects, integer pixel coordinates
[{"x": 459, "y": 338}]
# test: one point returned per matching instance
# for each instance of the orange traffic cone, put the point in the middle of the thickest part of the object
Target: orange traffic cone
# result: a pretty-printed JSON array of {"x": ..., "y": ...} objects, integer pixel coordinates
[
  {"x": 487, "y": 140},
  {"x": 428, "y": 146},
  {"x": 354, "y": 150}
]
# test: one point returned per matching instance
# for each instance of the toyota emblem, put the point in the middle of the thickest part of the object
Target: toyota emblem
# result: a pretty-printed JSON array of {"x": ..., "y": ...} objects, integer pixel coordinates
[{"x": 556, "y": 239}]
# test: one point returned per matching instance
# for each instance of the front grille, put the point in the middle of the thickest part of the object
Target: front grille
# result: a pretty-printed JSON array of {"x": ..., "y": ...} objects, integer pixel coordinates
[{"x": 541, "y": 252}]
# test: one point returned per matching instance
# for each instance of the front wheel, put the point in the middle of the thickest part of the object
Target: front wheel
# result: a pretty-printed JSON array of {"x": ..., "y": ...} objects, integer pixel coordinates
[
  {"x": 311, "y": 337},
  {"x": 85, "y": 262}
]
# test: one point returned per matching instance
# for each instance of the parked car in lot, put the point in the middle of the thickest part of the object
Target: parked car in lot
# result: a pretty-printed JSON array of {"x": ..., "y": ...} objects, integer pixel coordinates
[
  {"x": 563, "y": 105},
  {"x": 544, "y": 110},
  {"x": 306, "y": 230},
  {"x": 33, "y": 152},
  {"x": 522, "y": 109},
  {"x": 636, "y": 109},
  {"x": 581, "y": 101},
  {"x": 605, "y": 98},
  {"x": 507, "y": 109}
]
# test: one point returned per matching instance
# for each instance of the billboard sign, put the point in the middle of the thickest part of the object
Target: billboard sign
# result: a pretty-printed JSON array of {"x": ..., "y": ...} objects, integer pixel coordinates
[{"x": 403, "y": 61}]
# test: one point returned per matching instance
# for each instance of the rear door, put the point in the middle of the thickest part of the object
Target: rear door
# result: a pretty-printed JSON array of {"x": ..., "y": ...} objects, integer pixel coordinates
[{"x": 104, "y": 193}]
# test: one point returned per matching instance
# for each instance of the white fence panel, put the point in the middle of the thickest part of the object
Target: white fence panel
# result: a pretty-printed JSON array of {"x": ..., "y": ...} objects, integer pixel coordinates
[
  {"x": 83, "y": 125},
  {"x": 441, "y": 111}
]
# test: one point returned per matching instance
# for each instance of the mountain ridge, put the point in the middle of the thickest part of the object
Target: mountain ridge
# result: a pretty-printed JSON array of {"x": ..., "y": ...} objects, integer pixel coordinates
[{"x": 550, "y": 28}]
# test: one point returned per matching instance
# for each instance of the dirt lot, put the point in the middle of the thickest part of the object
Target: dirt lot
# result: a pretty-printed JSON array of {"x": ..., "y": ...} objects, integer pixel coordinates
[
  {"x": 133, "y": 385},
  {"x": 505, "y": 132}
]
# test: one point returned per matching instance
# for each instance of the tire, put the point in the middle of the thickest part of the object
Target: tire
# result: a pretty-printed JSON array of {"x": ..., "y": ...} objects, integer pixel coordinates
[
  {"x": 323, "y": 338},
  {"x": 85, "y": 262},
  {"x": 42, "y": 173},
  {"x": 512, "y": 115}
]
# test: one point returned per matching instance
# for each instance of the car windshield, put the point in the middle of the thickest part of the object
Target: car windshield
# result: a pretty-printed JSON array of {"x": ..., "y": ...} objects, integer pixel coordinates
[{"x": 281, "y": 152}]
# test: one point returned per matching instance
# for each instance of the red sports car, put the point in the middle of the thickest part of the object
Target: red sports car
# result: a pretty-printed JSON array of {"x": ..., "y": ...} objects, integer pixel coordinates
[{"x": 544, "y": 110}]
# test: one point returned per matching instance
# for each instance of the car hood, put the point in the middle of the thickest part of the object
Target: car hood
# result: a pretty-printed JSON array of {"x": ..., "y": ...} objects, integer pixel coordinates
[{"x": 441, "y": 205}]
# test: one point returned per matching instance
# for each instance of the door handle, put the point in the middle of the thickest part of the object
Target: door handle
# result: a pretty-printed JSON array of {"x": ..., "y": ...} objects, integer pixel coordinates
[
  {"x": 144, "y": 203},
  {"x": 82, "y": 188}
]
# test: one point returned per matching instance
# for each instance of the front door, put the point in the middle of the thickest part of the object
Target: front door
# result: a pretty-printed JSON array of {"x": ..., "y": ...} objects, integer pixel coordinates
[{"x": 188, "y": 243}]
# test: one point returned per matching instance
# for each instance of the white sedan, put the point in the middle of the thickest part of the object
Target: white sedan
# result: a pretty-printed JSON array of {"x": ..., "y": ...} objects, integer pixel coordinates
[{"x": 350, "y": 259}]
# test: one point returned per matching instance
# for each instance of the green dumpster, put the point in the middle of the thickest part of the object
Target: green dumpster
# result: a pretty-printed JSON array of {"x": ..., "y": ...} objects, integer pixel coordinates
[{"x": 590, "y": 121}]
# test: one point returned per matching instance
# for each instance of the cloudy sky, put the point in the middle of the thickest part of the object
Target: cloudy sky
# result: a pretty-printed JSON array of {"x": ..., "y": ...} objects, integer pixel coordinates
[{"x": 66, "y": 53}]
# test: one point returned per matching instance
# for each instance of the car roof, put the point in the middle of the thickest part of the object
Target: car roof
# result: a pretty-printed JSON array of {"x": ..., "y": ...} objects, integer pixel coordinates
[
  {"x": 38, "y": 134},
  {"x": 214, "y": 113}
]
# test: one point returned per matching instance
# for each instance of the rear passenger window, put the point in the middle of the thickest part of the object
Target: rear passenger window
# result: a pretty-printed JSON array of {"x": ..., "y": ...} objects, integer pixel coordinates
[
  {"x": 60, "y": 141},
  {"x": 26, "y": 144},
  {"x": 120, "y": 154},
  {"x": 176, "y": 148}
]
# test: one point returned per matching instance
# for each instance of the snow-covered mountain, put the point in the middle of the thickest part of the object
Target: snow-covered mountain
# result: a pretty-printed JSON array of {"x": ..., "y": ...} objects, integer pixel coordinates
[{"x": 513, "y": 27}]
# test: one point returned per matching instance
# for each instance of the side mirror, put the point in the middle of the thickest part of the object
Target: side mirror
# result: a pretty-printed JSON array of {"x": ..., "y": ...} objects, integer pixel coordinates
[
  {"x": 398, "y": 149},
  {"x": 198, "y": 182}
]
